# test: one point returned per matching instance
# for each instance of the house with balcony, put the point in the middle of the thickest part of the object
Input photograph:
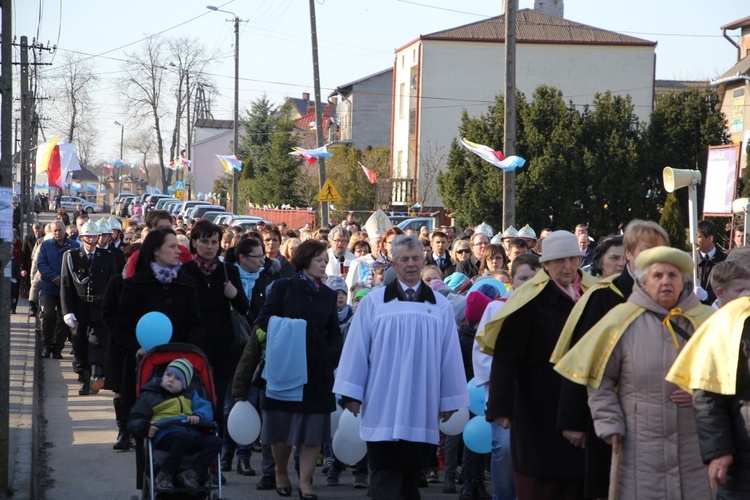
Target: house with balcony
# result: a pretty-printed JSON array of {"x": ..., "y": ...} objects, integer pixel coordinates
[
  {"x": 733, "y": 88},
  {"x": 363, "y": 110},
  {"x": 439, "y": 75}
]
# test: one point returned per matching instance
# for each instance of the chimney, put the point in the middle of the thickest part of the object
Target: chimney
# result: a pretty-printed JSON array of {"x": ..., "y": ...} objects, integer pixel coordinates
[
  {"x": 551, "y": 7},
  {"x": 306, "y": 96}
]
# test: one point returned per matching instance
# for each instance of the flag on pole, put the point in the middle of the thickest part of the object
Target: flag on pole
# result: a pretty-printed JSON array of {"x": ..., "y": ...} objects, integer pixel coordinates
[
  {"x": 497, "y": 158},
  {"x": 57, "y": 157},
  {"x": 107, "y": 168},
  {"x": 230, "y": 161},
  {"x": 118, "y": 163},
  {"x": 142, "y": 171},
  {"x": 311, "y": 155},
  {"x": 371, "y": 175}
]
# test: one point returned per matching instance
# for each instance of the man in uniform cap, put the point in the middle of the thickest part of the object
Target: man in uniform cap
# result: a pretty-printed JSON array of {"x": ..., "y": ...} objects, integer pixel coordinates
[
  {"x": 507, "y": 236},
  {"x": 85, "y": 273}
]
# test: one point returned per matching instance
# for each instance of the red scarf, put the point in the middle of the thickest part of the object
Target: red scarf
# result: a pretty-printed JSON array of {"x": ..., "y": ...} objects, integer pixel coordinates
[{"x": 207, "y": 268}]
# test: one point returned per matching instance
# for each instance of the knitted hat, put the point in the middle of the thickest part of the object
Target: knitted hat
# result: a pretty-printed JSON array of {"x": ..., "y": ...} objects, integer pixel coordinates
[
  {"x": 476, "y": 303},
  {"x": 137, "y": 210},
  {"x": 669, "y": 255},
  {"x": 559, "y": 245},
  {"x": 182, "y": 369},
  {"x": 438, "y": 285},
  {"x": 458, "y": 282},
  {"x": 492, "y": 288},
  {"x": 361, "y": 294},
  {"x": 336, "y": 283}
]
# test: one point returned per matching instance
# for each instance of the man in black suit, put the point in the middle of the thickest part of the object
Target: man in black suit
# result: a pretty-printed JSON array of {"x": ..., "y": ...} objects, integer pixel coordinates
[
  {"x": 85, "y": 273},
  {"x": 439, "y": 255},
  {"x": 29, "y": 242},
  {"x": 710, "y": 256}
]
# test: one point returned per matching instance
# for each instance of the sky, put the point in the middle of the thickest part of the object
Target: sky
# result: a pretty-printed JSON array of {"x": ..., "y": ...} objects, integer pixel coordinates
[{"x": 356, "y": 38}]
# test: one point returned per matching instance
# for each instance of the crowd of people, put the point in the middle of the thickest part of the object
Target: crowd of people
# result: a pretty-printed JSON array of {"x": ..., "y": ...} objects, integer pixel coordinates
[{"x": 569, "y": 338}]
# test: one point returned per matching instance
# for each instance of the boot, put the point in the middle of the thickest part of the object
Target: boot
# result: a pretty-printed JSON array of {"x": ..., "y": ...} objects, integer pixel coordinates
[
  {"x": 123, "y": 436},
  {"x": 480, "y": 491},
  {"x": 467, "y": 491}
]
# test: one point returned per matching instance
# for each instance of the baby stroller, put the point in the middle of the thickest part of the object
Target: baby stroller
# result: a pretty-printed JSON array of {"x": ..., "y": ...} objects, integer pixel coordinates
[{"x": 148, "y": 458}]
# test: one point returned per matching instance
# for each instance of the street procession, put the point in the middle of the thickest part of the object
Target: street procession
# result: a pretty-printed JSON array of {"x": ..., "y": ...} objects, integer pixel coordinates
[{"x": 506, "y": 259}]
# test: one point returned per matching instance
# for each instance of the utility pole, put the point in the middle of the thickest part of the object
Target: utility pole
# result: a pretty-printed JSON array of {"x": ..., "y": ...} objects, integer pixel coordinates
[
  {"x": 318, "y": 112},
  {"x": 509, "y": 134},
  {"x": 6, "y": 174},
  {"x": 236, "y": 144},
  {"x": 189, "y": 176},
  {"x": 24, "y": 162}
]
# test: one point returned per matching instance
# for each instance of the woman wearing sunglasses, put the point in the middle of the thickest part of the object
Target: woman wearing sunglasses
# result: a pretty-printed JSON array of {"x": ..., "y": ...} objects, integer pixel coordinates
[{"x": 460, "y": 252}]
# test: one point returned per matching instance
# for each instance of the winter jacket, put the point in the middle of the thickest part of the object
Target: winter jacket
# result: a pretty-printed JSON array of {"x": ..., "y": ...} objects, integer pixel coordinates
[
  {"x": 660, "y": 456},
  {"x": 49, "y": 263},
  {"x": 158, "y": 405}
]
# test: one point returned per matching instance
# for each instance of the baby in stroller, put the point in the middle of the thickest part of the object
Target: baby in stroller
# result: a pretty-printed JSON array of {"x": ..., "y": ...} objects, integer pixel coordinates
[{"x": 160, "y": 412}]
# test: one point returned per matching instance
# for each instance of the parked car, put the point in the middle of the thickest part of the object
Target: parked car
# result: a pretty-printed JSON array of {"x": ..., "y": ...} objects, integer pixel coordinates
[
  {"x": 123, "y": 207},
  {"x": 249, "y": 225},
  {"x": 417, "y": 222},
  {"x": 161, "y": 204},
  {"x": 154, "y": 199},
  {"x": 211, "y": 215},
  {"x": 173, "y": 207},
  {"x": 236, "y": 219},
  {"x": 192, "y": 203},
  {"x": 202, "y": 209},
  {"x": 117, "y": 200},
  {"x": 70, "y": 203},
  {"x": 223, "y": 218}
]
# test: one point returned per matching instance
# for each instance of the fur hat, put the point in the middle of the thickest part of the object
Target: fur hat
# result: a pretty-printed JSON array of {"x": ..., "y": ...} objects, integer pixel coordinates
[
  {"x": 476, "y": 303},
  {"x": 182, "y": 369},
  {"x": 559, "y": 245},
  {"x": 677, "y": 258}
]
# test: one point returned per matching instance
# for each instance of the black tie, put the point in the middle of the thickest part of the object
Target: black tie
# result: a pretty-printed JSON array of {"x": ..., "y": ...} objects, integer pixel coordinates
[
  {"x": 90, "y": 257},
  {"x": 410, "y": 294}
]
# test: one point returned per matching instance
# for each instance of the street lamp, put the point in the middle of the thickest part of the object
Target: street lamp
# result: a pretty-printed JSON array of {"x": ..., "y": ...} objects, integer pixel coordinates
[
  {"x": 236, "y": 97},
  {"x": 122, "y": 141}
]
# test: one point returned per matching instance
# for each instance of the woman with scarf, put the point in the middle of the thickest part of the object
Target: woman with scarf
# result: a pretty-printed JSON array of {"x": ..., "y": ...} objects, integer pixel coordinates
[
  {"x": 648, "y": 422},
  {"x": 524, "y": 388},
  {"x": 301, "y": 415},
  {"x": 218, "y": 285},
  {"x": 158, "y": 285}
]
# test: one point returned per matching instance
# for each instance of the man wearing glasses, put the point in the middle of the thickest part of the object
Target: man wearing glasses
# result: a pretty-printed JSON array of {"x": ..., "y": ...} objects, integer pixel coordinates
[
  {"x": 339, "y": 257},
  {"x": 470, "y": 267}
]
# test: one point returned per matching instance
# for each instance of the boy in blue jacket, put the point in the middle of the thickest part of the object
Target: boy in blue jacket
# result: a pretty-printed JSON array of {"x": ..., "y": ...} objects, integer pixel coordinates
[{"x": 161, "y": 406}]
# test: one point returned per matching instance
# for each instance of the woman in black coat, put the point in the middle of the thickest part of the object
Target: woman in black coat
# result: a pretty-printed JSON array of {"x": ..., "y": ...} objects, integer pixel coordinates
[
  {"x": 306, "y": 423},
  {"x": 218, "y": 285}
]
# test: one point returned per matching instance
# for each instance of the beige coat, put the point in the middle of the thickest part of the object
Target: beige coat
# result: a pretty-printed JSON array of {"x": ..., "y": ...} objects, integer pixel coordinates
[{"x": 660, "y": 454}]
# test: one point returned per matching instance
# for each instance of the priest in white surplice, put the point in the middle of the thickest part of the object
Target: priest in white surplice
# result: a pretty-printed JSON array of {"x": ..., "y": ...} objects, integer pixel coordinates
[{"x": 401, "y": 365}]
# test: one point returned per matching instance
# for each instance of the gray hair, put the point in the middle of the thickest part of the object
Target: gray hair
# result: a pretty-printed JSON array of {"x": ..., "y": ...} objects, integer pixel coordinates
[
  {"x": 741, "y": 256},
  {"x": 38, "y": 225},
  {"x": 407, "y": 242},
  {"x": 640, "y": 277},
  {"x": 336, "y": 231}
]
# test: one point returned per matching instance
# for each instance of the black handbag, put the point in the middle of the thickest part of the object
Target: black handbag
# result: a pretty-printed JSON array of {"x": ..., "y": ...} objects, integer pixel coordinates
[{"x": 240, "y": 326}]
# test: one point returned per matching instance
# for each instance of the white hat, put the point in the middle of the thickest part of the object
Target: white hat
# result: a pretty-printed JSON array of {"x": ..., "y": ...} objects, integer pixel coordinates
[
  {"x": 114, "y": 223},
  {"x": 497, "y": 239},
  {"x": 559, "y": 245},
  {"x": 104, "y": 226},
  {"x": 511, "y": 232},
  {"x": 485, "y": 229},
  {"x": 89, "y": 228},
  {"x": 378, "y": 224},
  {"x": 526, "y": 232}
]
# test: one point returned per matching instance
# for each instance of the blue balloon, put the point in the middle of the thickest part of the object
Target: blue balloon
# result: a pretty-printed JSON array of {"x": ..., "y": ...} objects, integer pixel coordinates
[
  {"x": 478, "y": 435},
  {"x": 153, "y": 329},
  {"x": 477, "y": 400}
]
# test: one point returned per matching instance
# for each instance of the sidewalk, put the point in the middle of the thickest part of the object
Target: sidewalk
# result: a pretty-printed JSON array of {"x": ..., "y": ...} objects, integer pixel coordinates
[{"x": 61, "y": 443}]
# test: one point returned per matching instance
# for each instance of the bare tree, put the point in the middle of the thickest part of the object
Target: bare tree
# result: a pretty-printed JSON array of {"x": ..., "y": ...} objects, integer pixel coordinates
[
  {"x": 72, "y": 108},
  {"x": 431, "y": 162},
  {"x": 307, "y": 185},
  {"x": 142, "y": 142},
  {"x": 142, "y": 88}
]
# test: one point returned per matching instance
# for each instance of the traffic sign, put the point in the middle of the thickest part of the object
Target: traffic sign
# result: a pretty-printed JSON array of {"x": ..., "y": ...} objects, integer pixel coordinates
[{"x": 329, "y": 192}]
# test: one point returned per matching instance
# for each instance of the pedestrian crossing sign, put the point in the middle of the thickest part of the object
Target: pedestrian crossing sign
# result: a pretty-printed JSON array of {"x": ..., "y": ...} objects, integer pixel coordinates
[{"x": 329, "y": 192}]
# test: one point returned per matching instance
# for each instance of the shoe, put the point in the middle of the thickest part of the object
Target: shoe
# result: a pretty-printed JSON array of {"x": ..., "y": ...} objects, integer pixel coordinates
[
  {"x": 467, "y": 491},
  {"x": 122, "y": 443},
  {"x": 432, "y": 477},
  {"x": 327, "y": 463},
  {"x": 422, "y": 480},
  {"x": 97, "y": 384},
  {"x": 46, "y": 353},
  {"x": 85, "y": 389},
  {"x": 332, "y": 479},
  {"x": 57, "y": 355},
  {"x": 244, "y": 468},
  {"x": 32, "y": 309},
  {"x": 449, "y": 484},
  {"x": 307, "y": 496},
  {"x": 164, "y": 482},
  {"x": 360, "y": 481},
  {"x": 480, "y": 491},
  {"x": 226, "y": 461},
  {"x": 266, "y": 483},
  {"x": 286, "y": 491},
  {"x": 189, "y": 480}
]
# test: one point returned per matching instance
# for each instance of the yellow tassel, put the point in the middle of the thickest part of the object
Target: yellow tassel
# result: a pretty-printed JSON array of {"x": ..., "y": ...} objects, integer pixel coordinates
[{"x": 673, "y": 312}]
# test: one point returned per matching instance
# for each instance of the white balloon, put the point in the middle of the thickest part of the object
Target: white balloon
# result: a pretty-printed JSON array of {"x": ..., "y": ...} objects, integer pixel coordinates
[
  {"x": 243, "y": 423},
  {"x": 455, "y": 425},
  {"x": 347, "y": 452},
  {"x": 335, "y": 418},
  {"x": 349, "y": 428}
]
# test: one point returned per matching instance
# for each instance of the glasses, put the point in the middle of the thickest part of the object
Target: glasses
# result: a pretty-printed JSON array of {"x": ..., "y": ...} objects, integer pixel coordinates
[
  {"x": 254, "y": 256},
  {"x": 341, "y": 241},
  {"x": 463, "y": 250}
]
